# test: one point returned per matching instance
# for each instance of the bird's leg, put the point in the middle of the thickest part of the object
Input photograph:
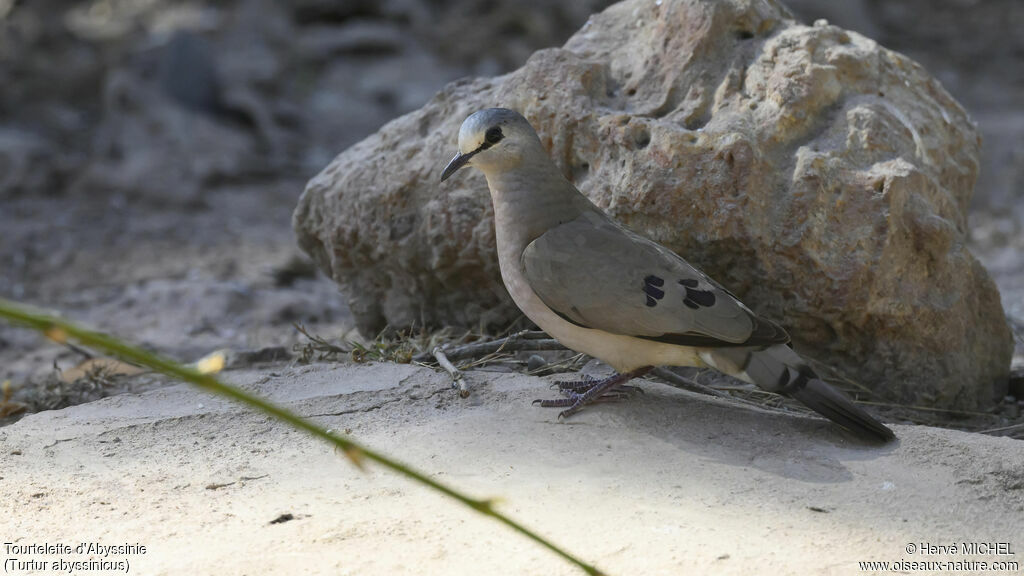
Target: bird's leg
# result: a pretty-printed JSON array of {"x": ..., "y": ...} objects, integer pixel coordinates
[{"x": 592, "y": 391}]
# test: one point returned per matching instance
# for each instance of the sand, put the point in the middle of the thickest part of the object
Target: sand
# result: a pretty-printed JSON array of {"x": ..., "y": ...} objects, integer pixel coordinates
[{"x": 667, "y": 482}]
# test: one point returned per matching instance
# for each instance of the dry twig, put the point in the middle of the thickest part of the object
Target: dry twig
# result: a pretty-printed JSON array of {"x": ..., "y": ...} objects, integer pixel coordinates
[
  {"x": 446, "y": 354},
  {"x": 1003, "y": 429},
  {"x": 527, "y": 340},
  {"x": 316, "y": 347},
  {"x": 458, "y": 381},
  {"x": 678, "y": 381}
]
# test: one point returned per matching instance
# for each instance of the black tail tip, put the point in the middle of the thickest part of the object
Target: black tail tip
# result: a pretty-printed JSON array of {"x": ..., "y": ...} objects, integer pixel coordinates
[{"x": 834, "y": 405}]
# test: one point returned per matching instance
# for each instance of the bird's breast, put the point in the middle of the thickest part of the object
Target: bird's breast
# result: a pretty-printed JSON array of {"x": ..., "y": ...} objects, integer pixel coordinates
[{"x": 621, "y": 352}]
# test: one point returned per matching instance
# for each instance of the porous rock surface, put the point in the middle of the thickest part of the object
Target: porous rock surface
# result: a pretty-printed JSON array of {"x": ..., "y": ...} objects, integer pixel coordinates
[{"x": 819, "y": 176}]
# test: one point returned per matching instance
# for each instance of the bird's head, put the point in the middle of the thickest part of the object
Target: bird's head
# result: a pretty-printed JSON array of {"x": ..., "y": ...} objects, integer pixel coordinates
[{"x": 493, "y": 140}]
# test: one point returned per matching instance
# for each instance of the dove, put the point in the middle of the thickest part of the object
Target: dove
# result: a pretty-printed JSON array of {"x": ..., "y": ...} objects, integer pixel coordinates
[{"x": 608, "y": 292}]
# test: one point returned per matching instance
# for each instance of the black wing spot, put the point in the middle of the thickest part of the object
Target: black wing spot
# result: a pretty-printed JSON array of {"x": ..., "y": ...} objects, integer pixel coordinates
[
  {"x": 652, "y": 290},
  {"x": 702, "y": 297},
  {"x": 696, "y": 298}
]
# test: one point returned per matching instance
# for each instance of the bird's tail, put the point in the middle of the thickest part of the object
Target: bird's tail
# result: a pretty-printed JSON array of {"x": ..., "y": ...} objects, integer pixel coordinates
[{"x": 780, "y": 369}]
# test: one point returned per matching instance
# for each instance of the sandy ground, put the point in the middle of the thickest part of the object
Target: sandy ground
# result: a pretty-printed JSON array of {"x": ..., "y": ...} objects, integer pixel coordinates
[{"x": 665, "y": 483}]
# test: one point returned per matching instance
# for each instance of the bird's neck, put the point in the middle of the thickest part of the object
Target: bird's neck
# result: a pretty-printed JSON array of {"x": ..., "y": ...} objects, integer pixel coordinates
[{"x": 525, "y": 209}]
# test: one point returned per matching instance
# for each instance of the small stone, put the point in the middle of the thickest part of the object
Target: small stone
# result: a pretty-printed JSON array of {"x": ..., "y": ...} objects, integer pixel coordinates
[{"x": 535, "y": 362}]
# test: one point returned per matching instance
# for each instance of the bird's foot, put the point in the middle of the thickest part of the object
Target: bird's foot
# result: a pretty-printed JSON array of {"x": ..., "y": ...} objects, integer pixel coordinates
[
  {"x": 586, "y": 382},
  {"x": 614, "y": 393},
  {"x": 591, "y": 390}
]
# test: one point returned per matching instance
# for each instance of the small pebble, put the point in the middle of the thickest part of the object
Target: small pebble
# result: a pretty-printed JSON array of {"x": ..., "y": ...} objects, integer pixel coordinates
[{"x": 535, "y": 362}]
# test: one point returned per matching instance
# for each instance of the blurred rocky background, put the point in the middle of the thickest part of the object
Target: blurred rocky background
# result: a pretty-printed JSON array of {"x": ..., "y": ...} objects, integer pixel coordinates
[{"x": 151, "y": 151}]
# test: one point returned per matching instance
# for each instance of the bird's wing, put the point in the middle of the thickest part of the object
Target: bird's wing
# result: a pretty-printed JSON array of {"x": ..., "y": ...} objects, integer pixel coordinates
[{"x": 596, "y": 274}]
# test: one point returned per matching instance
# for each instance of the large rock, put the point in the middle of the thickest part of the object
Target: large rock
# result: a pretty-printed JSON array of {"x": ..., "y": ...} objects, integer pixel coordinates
[{"x": 816, "y": 174}]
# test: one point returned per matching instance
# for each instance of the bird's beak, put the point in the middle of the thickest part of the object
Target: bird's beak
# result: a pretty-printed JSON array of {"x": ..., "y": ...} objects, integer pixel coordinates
[{"x": 459, "y": 161}]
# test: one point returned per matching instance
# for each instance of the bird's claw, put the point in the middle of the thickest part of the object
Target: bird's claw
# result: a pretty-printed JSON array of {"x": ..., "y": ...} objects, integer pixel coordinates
[
  {"x": 556, "y": 403},
  {"x": 615, "y": 393}
]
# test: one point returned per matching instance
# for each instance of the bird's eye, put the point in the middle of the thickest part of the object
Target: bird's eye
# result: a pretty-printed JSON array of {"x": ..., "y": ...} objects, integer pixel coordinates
[{"x": 493, "y": 135}]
